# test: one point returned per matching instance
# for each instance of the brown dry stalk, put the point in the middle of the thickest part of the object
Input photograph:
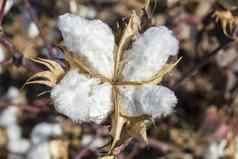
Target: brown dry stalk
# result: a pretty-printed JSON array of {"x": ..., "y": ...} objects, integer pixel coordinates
[
  {"x": 2, "y": 4},
  {"x": 131, "y": 30}
]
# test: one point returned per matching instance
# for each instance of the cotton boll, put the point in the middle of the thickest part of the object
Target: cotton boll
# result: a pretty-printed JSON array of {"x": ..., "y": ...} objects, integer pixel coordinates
[
  {"x": 40, "y": 140},
  {"x": 93, "y": 142},
  {"x": 13, "y": 132},
  {"x": 8, "y": 119},
  {"x": 215, "y": 150},
  {"x": 87, "y": 12},
  {"x": 82, "y": 99},
  {"x": 15, "y": 156},
  {"x": 43, "y": 131},
  {"x": 19, "y": 146},
  {"x": 41, "y": 151},
  {"x": 16, "y": 144},
  {"x": 92, "y": 40},
  {"x": 9, "y": 116},
  {"x": 2, "y": 53},
  {"x": 12, "y": 93},
  {"x": 57, "y": 149},
  {"x": 149, "y": 100},
  {"x": 33, "y": 30},
  {"x": 149, "y": 53}
]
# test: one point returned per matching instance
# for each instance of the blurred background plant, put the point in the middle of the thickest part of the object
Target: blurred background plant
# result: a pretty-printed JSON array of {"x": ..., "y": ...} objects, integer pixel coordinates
[{"x": 204, "y": 124}]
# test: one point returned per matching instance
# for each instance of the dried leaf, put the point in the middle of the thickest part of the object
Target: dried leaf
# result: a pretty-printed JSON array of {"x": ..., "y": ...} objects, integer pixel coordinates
[
  {"x": 50, "y": 77},
  {"x": 165, "y": 69},
  {"x": 138, "y": 130},
  {"x": 131, "y": 29}
]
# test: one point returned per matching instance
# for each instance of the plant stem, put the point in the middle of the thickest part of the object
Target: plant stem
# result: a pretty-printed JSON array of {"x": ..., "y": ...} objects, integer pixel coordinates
[{"x": 3, "y": 4}]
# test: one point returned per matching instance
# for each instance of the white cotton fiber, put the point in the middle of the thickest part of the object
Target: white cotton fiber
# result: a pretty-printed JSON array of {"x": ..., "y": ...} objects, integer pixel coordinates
[
  {"x": 92, "y": 40},
  {"x": 43, "y": 131},
  {"x": 9, "y": 5},
  {"x": 93, "y": 142},
  {"x": 33, "y": 30},
  {"x": 41, "y": 150},
  {"x": 149, "y": 53},
  {"x": 20, "y": 146},
  {"x": 151, "y": 100},
  {"x": 81, "y": 98},
  {"x": 9, "y": 116},
  {"x": 2, "y": 53},
  {"x": 8, "y": 119}
]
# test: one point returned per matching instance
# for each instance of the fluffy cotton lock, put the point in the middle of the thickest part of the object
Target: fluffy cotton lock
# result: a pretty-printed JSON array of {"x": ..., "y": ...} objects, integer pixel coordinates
[
  {"x": 43, "y": 131},
  {"x": 151, "y": 100},
  {"x": 149, "y": 53},
  {"x": 81, "y": 98},
  {"x": 87, "y": 99},
  {"x": 92, "y": 40},
  {"x": 40, "y": 139},
  {"x": 16, "y": 143}
]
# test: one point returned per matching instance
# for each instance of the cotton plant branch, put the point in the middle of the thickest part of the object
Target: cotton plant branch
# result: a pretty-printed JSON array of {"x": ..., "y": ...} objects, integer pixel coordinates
[
  {"x": 132, "y": 28},
  {"x": 118, "y": 121},
  {"x": 3, "y": 4}
]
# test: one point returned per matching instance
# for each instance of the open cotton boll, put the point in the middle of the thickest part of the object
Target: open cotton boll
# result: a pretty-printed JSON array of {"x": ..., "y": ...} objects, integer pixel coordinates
[
  {"x": 16, "y": 144},
  {"x": 2, "y": 53},
  {"x": 91, "y": 39},
  {"x": 9, "y": 116},
  {"x": 14, "y": 132},
  {"x": 215, "y": 150},
  {"x": 149, "y": 53},
  {"x": 20, "y": 146},
  {"x": 151, "y": 100},
  {"x": 41, "y": 150},
  {"x": 8, "y": 119},
  {"x": 43, "y": 131},
  {"x": 40, "y": 140},
  {"x": 33, "y": 30},
  {"x": 81, "y": 98},
  {"x": 93, "y": 142}
]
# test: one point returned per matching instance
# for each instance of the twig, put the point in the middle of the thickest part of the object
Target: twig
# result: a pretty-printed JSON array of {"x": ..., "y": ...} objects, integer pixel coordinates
[
  {"x": 83, "y": 153},
  {"x": 7, "y": 44},
  {"x": 3, "y": 4},
  {"x": 161, "y": 146}
]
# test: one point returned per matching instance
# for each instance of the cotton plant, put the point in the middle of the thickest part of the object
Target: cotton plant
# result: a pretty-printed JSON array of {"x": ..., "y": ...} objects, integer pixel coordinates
[
  {"x": 16, "y": 145},
  {"x": 108, "y": 80},
  {"x": 40, "y": 139}
]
